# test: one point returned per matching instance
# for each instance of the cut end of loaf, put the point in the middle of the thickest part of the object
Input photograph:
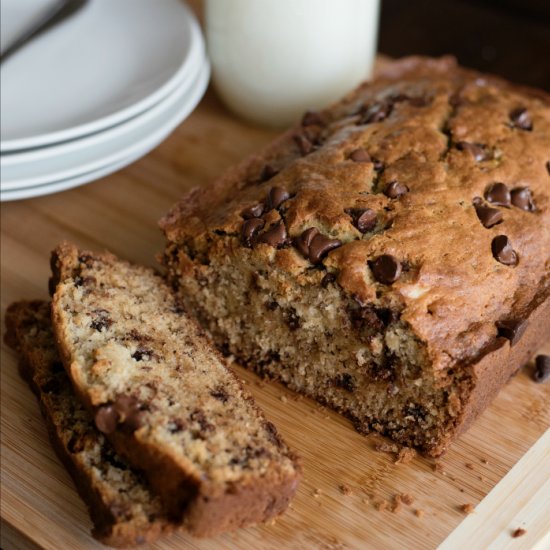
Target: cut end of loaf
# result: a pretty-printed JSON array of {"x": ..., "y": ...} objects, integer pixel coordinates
[{"x": 361, "y": 359}]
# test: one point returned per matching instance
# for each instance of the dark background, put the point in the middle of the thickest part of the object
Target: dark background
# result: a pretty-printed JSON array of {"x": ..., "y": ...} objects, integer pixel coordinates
[{"x": 510, "y": 38}]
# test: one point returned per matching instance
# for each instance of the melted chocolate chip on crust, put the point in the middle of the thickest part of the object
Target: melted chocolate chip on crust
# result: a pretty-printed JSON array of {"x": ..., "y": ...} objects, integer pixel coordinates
[
  {"x": 315, "y": 246},
  {"x": 395, "y": 189},
  {"x": 522, "y": 198},
  {"x": 511, "y": 329},
  {"x": 249, "y": 230},
  {"x": 542, "y": 368},
  {"x": 498, "y": 194},
  {"x": 386, "y": 269},
  {"x": 275, "y": 236},
  {"x": 320, "y": 246},
  {"x": 267, "y": 173},
  {"x": 475, "y": 149},
  {"x": 276, "y": 197},
  {"x": 364, "y": 219},
  {"x": 488, "y": 216},
  {"x": 521, "y": 119},
  {"x": 548, "y": 167},
  {"x": 503, "y": 251},
  {"x": 253, "y": 211},
  {"x": 360, "y": 155}
]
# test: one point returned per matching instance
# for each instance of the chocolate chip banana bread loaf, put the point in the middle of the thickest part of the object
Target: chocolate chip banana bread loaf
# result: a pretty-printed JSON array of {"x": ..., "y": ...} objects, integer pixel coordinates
[
  {"x": 121, "y": 505},
  {"x": 163, "y": 397},
  {"x": 390, "y": 256}
]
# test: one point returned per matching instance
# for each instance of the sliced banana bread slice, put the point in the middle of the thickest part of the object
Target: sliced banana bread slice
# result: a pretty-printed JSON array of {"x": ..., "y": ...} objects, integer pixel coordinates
[
  {"x": 163, "y": 397},
  {"x": 121, "y": 505}
]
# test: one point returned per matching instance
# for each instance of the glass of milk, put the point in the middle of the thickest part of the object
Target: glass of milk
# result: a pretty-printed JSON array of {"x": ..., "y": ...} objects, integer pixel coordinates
[{"x": 274, "y": 59}]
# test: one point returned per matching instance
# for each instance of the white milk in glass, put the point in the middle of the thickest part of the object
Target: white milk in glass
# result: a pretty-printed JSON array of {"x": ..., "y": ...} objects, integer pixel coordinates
[{"x": 274, "y": 59}]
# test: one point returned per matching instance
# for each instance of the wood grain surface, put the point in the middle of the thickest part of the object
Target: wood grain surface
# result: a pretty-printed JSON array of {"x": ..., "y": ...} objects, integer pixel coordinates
[
  {"x": 346, "y": 480},
  {"x": 347, "y": 497}
]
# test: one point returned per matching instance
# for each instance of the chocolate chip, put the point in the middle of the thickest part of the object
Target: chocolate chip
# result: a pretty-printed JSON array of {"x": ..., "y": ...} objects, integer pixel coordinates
[
  {"x": 303, "y": 242},
  {"x": 363, "y": 218},
  {"x": 292, "y": 319},
  {"x": 129, "y": 411},
  {"x": 142, "y": 353},
  {"x": 394, "y": 190},
  {"x": 345, "y": 381},
  {"x": 522, "y": 198},
  {"x": 249, "y": 230},
  {"x": 101, "y": 320},
  {"x": 498, "y": 194},
  {"x": 360, "y": 155},
  {"x": 312, "y": 118},
  {"x": 521, "y": 119},
  {"x": 268, "y": 172},
  {"x": 488, "y": 216},
  {"x": 253, "y": 211},
  {"x": 475, "y": 149},
  {"x": 276, "y": 197},
  {"x": 386, "y": 269},
  {"x": 548, "y": 167},
  {"x": 106, "y": 419},
  {"x": 320, "y": 246},
  {"x": 542, "y": 368},
  {"x": 328, "y": 279},
  {"x": 199, "y": 417},
  {"x": 304, "y": 144},
  {"x": 503, "y": 251},
  {"x": 275, "y": 236},
  {"x": 364, "y": 316},
  {"x": 511, "y": 329},
  {"x": 375, "y": 113},
  {"x": 220, "y": 394},
  {"x": 378, "y": 165}
]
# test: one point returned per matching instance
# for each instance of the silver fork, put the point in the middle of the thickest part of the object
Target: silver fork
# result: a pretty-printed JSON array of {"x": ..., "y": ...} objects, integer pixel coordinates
[{"x": 60, "y": 11}]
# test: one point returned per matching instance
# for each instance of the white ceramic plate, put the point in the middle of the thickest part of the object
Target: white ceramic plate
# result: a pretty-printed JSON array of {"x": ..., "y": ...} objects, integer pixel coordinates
[
  {"x": 110, "y": 61},
  {"x": 165, "y": 124},
  {"x": 56, "y": 162}
]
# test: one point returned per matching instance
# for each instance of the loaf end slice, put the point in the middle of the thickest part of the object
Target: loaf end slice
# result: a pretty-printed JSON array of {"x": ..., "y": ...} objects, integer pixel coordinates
[
  {"x": 123, "y": 509},
  {"x": 163, "y": 396}
]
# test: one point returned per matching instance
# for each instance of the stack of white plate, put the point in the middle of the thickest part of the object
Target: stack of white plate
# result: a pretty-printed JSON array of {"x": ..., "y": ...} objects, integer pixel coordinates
[{"x": 96, "y": 92}]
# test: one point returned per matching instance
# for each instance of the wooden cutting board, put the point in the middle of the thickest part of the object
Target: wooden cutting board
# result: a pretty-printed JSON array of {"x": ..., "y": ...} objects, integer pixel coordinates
[{"x": 347, "y": 497}]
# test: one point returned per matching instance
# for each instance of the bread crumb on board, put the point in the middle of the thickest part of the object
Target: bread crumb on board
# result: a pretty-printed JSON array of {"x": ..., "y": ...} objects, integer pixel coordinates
[
  {"x": 519, "y": 532},
  {"x": 419, "y": 513},
  {"x": 345, "y": 489},
  {"x": 467, "y": 508}
]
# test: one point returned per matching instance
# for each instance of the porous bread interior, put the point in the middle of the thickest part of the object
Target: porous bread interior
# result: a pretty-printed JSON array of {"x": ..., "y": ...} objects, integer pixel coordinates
[
  {"x": 194, "y": 408},
  {"x": 304, "y": 336},
  {"x": 123, "y": 491}
]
